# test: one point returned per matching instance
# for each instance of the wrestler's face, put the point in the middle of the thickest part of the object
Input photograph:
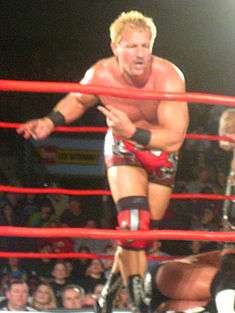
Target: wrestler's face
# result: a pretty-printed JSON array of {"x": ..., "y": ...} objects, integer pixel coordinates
[{"x": 134, "y": 51}]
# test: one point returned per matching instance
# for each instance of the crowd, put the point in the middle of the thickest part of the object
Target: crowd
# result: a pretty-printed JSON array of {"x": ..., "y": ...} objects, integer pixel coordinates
[
  {"x": 49, "y": 284},
  {"x": 73, "y": 284}
]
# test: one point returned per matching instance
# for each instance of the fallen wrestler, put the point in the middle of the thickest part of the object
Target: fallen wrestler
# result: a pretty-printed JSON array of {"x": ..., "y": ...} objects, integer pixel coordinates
[
  {"x": 205, "y": 281},
  {"x": 195, "y": 282},
  {"x": 184, "y": 283}
]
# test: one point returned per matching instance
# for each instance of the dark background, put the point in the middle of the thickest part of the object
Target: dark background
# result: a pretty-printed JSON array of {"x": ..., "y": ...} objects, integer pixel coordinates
[{"x": 58, "y": 40}]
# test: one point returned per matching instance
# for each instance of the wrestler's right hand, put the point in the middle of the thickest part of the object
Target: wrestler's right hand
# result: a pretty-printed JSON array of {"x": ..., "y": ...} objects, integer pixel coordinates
[{"x": 38, "y": 129}]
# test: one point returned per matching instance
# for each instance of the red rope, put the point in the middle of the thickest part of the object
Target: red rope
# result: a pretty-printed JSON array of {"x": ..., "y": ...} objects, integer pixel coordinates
[
  {"x": 99, "y": 192},
  {"x": 64, "y": 87},
  {"x": 11, "y": 231},
  {"x": 89, "y": 129},
  {"x": 70, "y": 255}
]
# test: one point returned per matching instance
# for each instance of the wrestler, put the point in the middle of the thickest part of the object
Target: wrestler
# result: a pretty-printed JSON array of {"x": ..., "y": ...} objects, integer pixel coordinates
[
  {"x": 183, "y": 284},
  {"x": 141, "y": 145},
  {"x": 223, "y": 286}
]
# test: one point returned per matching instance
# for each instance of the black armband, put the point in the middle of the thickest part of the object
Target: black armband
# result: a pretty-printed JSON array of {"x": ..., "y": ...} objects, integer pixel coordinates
[
  {"x": 57, "y": 118},
  {"x": 141, "y": 136}
]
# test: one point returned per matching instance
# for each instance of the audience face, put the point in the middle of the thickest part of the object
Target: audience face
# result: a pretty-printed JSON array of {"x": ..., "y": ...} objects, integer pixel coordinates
[
  {"x": 75, "y": 206},
  {"x": 123, "y": 299},
  {"x": 17, "y": 296},
  {"x": 95, "y": 268},
  {"x": 43, "y": 297},
  {"x": 208, "y": 216},
  {"x": 59, "y": 272},
  {"x": 97, "y": 291},
  {"x": 72, "y": 299}
]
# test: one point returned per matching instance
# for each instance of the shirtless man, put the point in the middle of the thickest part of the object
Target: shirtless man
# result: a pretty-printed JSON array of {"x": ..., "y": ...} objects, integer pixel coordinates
[
  {"x": 223, "y": 287},
  {"x": 141, "y": 145},
  {"x": 185, "y": 283}
]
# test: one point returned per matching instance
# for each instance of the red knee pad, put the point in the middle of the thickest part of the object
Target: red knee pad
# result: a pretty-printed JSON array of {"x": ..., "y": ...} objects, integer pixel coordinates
[{"x": 133, "y": 214}]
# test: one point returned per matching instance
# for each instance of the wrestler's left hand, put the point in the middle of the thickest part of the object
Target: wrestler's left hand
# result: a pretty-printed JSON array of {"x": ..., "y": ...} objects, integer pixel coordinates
[{"x": 118, "y": 121}]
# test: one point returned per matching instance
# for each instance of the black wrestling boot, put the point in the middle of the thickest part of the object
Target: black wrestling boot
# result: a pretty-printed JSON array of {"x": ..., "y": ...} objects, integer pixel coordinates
[
  {"x": 137, "y": 294},
  {"x": 105, "y": 302}
]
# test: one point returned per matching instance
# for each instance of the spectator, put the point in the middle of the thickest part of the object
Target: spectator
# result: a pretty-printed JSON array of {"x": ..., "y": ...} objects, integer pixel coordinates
[
  {"x": 94, "y": 275},
  {"x": 200, "y": 182},
  {"x": 72, "y": 297},
  {"x": 13, "y": 269},
  {"x": 42, "y": 268},
  {"x": 28, "y": 205},
  {"x": 74, "y": 216},
  {"x": 59, "y": 280},
  {"x": 58, "y": 245},
  {"x": 155, "y": 250},
  {"x": 81, "y": 265},
  {"x": 44, "y": 216},
  {"x": 8, "y": 217},
  {"x": 207, "y": 221},
  {"x": 95, "y": 246},
  {"x": 60, "y": 202},
  {"x": 123, "y": 302},
  {"x": 44, "y": 298},
  {"x": 17, "y": 296}
]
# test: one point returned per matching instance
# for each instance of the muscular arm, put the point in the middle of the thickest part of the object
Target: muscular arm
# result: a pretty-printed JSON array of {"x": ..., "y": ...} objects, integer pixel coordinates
[
  {"x": 173, "y": 117},
  {"x": 72, "y": 106},
  {"x": 173, "y": 122}
]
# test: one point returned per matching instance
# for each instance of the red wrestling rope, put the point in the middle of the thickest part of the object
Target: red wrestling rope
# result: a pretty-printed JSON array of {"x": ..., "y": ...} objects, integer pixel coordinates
[
  {"x": 98, "y": 192},
  {"x": 11, "y": 231},
  {"x": 63, "y": 87},
  {"x": 89, "y": 129},
  {"x": 72, "y": 255}
]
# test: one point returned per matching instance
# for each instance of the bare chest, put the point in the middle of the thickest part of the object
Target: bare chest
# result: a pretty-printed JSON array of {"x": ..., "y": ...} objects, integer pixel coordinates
[{"x": 137, "y": 110}]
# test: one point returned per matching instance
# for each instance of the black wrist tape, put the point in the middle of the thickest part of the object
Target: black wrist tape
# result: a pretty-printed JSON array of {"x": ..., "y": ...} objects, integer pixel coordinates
[
  {"x": 141, "y": 136},
  {"x": 57, "y": 118}
]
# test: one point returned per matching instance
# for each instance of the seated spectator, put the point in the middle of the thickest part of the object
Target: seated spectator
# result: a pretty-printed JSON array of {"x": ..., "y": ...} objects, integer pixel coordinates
[
  {"x": 60, "y": 202},
  {"x": 8, "y": 217},
  {"x": 72, "y": 297},
  {"x": 207, "y": 221},
  {"x": 59, "y": 244},
  {"x": 13, "y": 269},
  {"x": 95, "y": 246},
  {"x": 44, "y": 298},
  {"x": 94, "y": 275},
  {"x": 155, "y": 250},
  {"x": 59, "y": 280},
  {"x": 44, "y": 216},
  {"x": 17, "y": 296},
  {"x": 74, "y": 215},
  {"x": 27, "y": 206},
  {"x": 41, "y": 268},
  {"x": 122, "y": 302},
  {"x": 81, "y": 265}
]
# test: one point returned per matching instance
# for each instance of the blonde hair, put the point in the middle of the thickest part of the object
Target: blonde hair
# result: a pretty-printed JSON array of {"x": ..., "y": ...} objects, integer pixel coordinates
[
  {"x": 227, "y": 122},
  {"x": 132, "y": 19},
  {"x": 52, "y": 304}
]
